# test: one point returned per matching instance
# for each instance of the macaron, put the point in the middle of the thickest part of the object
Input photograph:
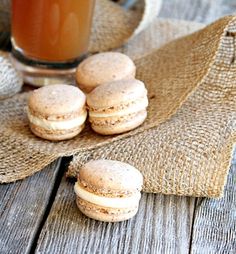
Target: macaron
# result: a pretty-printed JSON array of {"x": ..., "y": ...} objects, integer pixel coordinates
[
  {"x": 57, "y": 112},
  {"x": 108, "y": 190},
  {"x": 102, "y": 68},
  {"x": 118, "y": 106}
]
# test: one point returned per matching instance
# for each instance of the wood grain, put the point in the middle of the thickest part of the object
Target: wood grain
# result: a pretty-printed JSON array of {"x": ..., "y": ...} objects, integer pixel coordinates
[
  {"x": 214, "y": 228},
  {"x": 162, "y": 225},
  {"x": 22, "y": 207},
  {"x": 205, "y": 11}
]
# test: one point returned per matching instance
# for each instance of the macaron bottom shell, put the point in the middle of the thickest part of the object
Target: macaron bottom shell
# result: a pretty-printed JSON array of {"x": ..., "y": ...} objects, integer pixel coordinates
[
  {"x": 105, "y": 214},
  {"x": 127, "y": 124},
  {"x": 56, "y": 135}
]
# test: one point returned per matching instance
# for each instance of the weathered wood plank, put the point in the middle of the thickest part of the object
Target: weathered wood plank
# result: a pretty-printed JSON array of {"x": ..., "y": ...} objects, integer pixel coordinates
[
  {"x": 205, "y": 11},
  {"x": 214, "y": 228},
  {"x": 215, "y": 220},
  {"x": 162, "y": 225},
  {"x": 22, "y": 207}
]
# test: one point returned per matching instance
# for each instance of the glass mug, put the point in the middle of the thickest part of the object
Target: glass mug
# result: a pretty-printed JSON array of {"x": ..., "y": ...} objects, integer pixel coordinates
[{"x": 50, "y": 37}]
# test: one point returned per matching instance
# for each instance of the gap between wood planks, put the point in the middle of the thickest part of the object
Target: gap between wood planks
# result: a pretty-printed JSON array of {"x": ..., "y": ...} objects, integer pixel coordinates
[
  {"x": 196, "y": 203},
  {"x": 62, "y": 168}
]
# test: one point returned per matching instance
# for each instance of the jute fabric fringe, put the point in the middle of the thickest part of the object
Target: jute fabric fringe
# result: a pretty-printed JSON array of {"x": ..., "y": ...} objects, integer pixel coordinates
[{"x": 185, "y": 145}]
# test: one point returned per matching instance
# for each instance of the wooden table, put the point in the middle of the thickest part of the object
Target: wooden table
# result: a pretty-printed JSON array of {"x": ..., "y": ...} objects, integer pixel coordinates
[{"x": 39, "y": 214}]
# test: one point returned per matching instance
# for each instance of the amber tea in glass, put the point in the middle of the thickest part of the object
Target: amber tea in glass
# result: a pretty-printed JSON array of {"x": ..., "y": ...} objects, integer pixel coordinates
[{"x": 50, "y": 37}]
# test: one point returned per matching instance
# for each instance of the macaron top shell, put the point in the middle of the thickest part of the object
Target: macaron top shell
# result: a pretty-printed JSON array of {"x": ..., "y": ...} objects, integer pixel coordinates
[
  {"x": 110, "y": 178},
  {"x": 56, "y": 100},
  {"x": 104, "y": 67},
  {"x": 116, "y": 93}
]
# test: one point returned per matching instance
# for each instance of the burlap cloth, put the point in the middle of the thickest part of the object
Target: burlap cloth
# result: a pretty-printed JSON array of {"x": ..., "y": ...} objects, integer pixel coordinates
[
  {"x": 11, "y": 80},
  {"x": 192, "y": 91},
  {"x": 185, "y": 145}
]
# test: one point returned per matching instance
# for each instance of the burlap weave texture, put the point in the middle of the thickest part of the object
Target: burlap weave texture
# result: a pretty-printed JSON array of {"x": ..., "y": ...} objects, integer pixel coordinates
[
  {"x": 190, "y": 152},
  {"x": 185, "y": 145},
  {"x": 11, "y": 81},
  {"x": 112, "y": 26}
]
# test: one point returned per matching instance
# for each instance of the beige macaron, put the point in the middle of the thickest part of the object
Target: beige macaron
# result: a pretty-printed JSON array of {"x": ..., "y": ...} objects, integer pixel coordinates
[
  {"x": 102, "y": 68},
  {"x": 108, "y": 190},
  {"x": 118, "y": 106},
  {"x": 57, "y": 112}
]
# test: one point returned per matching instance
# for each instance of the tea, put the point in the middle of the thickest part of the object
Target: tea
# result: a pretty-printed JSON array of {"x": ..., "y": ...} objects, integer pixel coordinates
[{"x": 51, "y": 30}]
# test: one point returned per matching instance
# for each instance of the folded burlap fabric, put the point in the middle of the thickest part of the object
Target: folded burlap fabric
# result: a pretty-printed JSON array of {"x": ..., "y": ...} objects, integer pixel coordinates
[
  {"x": 190, "y": 153},
  {"x": 185, "y": 145},
  {"x": 112, "y": 26}
]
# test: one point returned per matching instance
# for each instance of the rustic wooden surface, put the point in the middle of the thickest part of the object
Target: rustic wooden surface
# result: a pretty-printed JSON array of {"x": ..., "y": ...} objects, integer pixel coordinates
[
  {"x": 214, "y": 228},
  {"x": 163, "y": 223},
  {"x": 22, "y": 208},
  {"x": 39, "y": 214}
]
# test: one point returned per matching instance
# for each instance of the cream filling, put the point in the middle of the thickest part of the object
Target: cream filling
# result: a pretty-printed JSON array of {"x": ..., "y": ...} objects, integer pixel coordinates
[
  {"x": 57, "y": 125},
  {"x": 106, "y": 201},
  {"x": 133, "y": 108}
]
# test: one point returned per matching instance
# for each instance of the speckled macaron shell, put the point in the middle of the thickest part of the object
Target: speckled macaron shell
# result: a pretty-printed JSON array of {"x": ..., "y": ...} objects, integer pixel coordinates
[
  {"x": 102, "y": 68},
  {"x": 57, "y": 104},
  {"x": 126, "y": 124},
  {"x": 118, "y": 106},
  {"x": 105, "y": 214},
  {"x": 56, "y": 100},
  {"x": 56, "y": 135},
  {"x": 118, "y": 93},
  {"x": 110, "y": 178}
]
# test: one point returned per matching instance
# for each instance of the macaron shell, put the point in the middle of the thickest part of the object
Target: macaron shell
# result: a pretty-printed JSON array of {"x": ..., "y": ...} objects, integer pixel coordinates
[
  {"x": 104, "y": 67},
  {"x": 110, "y": 178},
  {"x": 105, "y": 214},
  {"x": 56, "y": 135},
  {"x": 116, "y": 93},
  {"x": 123, "y": 126},
  {"x": 56, "y": 100}
]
